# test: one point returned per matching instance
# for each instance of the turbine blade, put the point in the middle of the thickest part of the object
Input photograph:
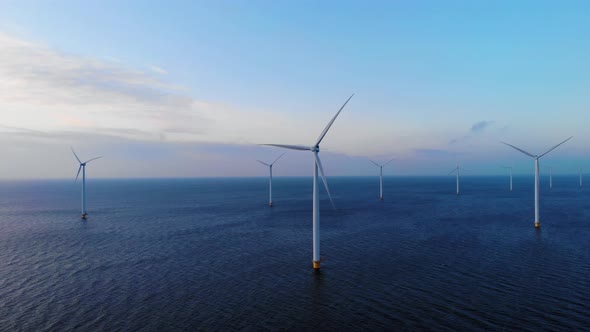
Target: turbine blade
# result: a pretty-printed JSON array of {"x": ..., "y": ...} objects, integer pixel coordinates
[
  {"x": 75, "y": 155},
  {"x": 263, "y": 163},
  {"x": 375, "y": 163},
  {"x": 331, "y": 122},
  {"x": 553, "y": 148},
  {"x": 79, "y": 169},
  {"x": 278, "y": 158},
  {"x": 292, "y": 147},
  {"x": 389, "y": 161},
  {"x": 319, "y": 163},
  {"x": 521, "y": 150},
  {"x": 453, "y": 171},
  {"x": 86, "y": 162}
]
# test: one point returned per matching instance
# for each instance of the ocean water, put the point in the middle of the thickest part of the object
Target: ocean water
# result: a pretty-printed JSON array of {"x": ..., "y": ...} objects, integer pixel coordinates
[{"x": 209, "y": 254}]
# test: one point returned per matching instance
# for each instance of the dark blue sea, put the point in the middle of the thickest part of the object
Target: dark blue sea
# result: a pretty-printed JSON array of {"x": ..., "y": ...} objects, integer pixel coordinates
[{"x": 210, "y": 255}]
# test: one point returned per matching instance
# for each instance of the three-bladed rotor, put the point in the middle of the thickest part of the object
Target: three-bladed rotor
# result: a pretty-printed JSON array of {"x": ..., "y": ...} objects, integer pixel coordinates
[
  {"x": 383, "y": 164},
  {"x": 458, "y": 168},
  {"x": 82, "y": 164},
  {"x": 316, "y": 149},
  {"x": 270, "y": 165},
  {"x": 536, "y": 156}
]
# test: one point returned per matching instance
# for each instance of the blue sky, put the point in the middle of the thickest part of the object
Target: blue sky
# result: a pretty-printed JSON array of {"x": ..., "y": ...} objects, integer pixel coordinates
[{"x": 182, "y": 88}]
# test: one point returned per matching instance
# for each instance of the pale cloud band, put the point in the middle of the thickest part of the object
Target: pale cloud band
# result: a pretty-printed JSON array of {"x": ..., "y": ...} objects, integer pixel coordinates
[
  {"x": 50, "y": 91},
  {"x": 43, "y": 90},
  {"x": 50, "y": 100}
]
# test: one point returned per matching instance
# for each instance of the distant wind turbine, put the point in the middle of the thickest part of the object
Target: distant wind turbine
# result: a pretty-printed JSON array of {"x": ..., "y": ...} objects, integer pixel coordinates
[
  {"x": 550, "y": 178},
  {"x": 381, "y": 176},
  {"x": 270, "y": 178},
  {"x": 83, "y": 169},
  {"x": 536, "y": 158},
  {"x": 457, "y": 169},
  {"x": 315, "y": 149},
  {"x": 510, "y": 168},
  {"x": 581, "y": 177}
]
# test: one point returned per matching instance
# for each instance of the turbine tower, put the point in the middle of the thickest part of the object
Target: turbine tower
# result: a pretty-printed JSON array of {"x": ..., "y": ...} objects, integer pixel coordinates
[
  {"x": 270, "y": 178},
  {"x": 315, "y": 149},
  {"x": 83, "y": 169},
  {"x": 510, "y": 168},
  {"x": 581, "y": 177},
  {"x": 536, "y": 158},
  {"x": 456, "y": 169},
  {"x": 550, "y": 178},
  {"x": 381, "y": 176}
]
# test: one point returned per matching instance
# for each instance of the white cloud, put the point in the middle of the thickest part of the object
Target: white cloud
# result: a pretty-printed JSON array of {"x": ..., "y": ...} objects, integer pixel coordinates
[
  {"x": 50, "y": 100},
  {"x": 45, "y": 90},
  {"x": 157, "y": 69},
  {"x": 50, "y": 91}
]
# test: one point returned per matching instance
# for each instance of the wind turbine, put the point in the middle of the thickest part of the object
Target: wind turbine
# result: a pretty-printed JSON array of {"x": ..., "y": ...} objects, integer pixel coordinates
[
  {"x": 536, "y": 158},
  {"x": 381, "y": 176},
  {"x": 456, "y": 169},
  {"x": 315, "y": 149},
  {"x": 510, "y": 168},
  {"x": 270, "y": 179},
  {"x": 83, "y": 169},
  {"x": 581, "y": 177},
  {"x": 550, "y": 178}
]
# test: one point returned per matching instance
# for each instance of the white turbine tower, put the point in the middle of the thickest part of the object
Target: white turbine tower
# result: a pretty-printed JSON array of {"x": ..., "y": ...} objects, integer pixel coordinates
[
  {"x": 510, "y": 168},
  {"x": 550, "y": 178},
  {"x": 270, "y": 178},
  {"x": 315, "y": 149},
  {"x": 456, "y": 169},
  {"x": 83, "y": 169},
  {"x": 536, "y": 158},
  {"x": 381, "y": 176}
]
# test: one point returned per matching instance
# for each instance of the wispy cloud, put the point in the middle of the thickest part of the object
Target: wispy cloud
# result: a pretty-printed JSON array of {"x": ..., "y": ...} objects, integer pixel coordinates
[
  {"x": 49, "y": 91},
  {"x": 460, "y": 139},
  {"x": 481, "y": 126},
  {"x": 476, "y": 129},
  {"x": 17, "y": 131},
  {"x": 157, "y": 69}
]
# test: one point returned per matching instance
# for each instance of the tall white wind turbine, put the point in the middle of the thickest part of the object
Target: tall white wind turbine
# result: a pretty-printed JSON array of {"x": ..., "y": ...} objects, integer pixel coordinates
[
  {"x": 270, "y": 178},
  {"x": 83, "y": 169},
  {"x": 536, "y": 158},
  {"x": 457, "y": 170},
  {"x": 510, "y": 168},
  {"x": 381, "y": 176},
  {"x": 315, "y": 149}
]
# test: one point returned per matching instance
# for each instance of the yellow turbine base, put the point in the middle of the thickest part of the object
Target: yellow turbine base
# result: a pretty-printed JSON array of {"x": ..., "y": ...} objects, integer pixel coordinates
[
  {"x": 316, "y": 265},
  {"x": 537, "y": 225}
]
